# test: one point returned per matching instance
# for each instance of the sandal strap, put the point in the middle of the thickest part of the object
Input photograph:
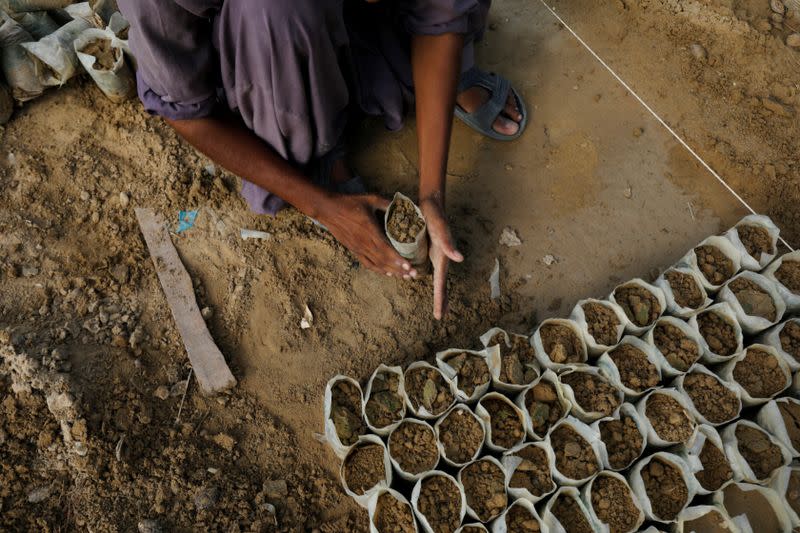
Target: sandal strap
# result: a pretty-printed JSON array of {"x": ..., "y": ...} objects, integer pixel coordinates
[{"x": 498, "y": 88}]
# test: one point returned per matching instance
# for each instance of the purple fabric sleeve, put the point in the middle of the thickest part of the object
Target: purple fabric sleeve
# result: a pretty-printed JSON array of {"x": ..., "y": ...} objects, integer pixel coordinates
[
  {"x": 156, "y": 105},
  {"x": 435, "y": 17}
]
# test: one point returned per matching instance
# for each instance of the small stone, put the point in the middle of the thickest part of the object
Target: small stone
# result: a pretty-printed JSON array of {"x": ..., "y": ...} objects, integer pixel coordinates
[
  {"x": 95, "y": 217},
  {"x": 206, "y": 498},
  {"x": 548, "y": 260},
  {"x": 628, "y": 192},
  {"x": 637, "y": 132},
  {"x": 793, "y": 40},
  {"x": 698, "y": 52},
  {"x": 124, "y": 199},
  {"x": 29, "y": 271},
  {"x": 509, "y": 166},
  {"x": 39, "y": 494},
  {"x": 225, "y": 441},
  {"x": 276, "y": 489},
  {"x": 85, "y": 195},
  {"x": 207, "y": 312},
  {"x": 161, "y": 392},
  {"x": 509, "y": 237},
  {"x": 149, "y": 525}
]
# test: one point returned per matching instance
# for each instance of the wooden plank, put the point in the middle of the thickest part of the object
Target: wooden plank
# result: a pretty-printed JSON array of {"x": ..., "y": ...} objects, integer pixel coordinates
[{"x": 208, "y": 363}]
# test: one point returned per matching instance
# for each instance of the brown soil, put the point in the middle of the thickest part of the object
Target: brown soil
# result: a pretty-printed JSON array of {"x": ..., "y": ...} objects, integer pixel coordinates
[
  {"x": 602, "y": 323},
  {"x": 716, "y": 402},
  {"x": 517, "y": 361},
  {"x": 613, "y": 504},
  {"x": 716, "y": 468},
  {"x": 713, "y": 264},
  {"x": 623, "y": 441},
  {"x": 544, "y": 407},
  {"x": 790, "y": 412},
  {"x": 754, "y": 300},
  {"x": 426, "y": 387},
  {"x": 670, "y": 421},
  {"x": 507, "y": 427},
  {"x": 575, "y": 458},
  {"x": 414, "y": 447},
  {"x": 665, "y": 488},
  {"x": 533, "y": 473},
  {"x": 404, "y": 223},
  {"x": 384, "y": 406},
  {"x": 760, "y": 374},
  {"x": 520, "y": 520},
  {"x": 393, "y": 516},
  {"x": 760, "y": 453},
  {"x": 755, "y": 506},
  {"x": 793, "y": 491},
  {"x": 561, "y": 344},
  {"x": 473, "y": 529},
  {"x": 346, "y": 412},
  {"x": 756, "y": 240},
  {"x": 718, "y": 333},
  {"x": 484, "y": 486},
  {"x": 789, "y": 275},
  {"x": 790, "y": 339},
  {"x": 569, "y": 513},
  {"x": 680, "y": 351},
  {"x": 685, "y": 289},
  {"x": 640, "y": 305},
  {"x": 106, "y": 56},
  {"x": 364, "y": 468},
  {"x": 440, "y": 503},
  {"x": 711, "y": 522},
  {"x": 635, "y": 371},
  {"x": 461, "y": 435},
  {"x": 593, "y": 393},
  {"x": 471, "y": 371}
]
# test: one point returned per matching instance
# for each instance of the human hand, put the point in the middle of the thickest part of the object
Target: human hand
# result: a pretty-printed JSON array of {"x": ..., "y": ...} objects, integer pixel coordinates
[{"x": 441, "y": 251}]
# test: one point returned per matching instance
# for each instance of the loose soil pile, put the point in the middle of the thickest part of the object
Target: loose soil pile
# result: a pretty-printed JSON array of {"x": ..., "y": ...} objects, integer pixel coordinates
[
  {"x": 440, "y": 503},
  {"x": 575, "y": 457},
  {"x": 790, "y": 413},
  {"x": 346, "y": 412},
  {"x": 613, "y": 504},
  {"x": 680, "y": 351},
  {"x": 517, "y": 362},
  {"x": 714, "y": 265},
  {"x": 640, "y": 305},
  {"x": 685, "y": 289},
  {"x": 364, "y": 468},
  {"x": 758, "y": 450},
  {"x": 393, "y": 516},
  {"x": 484, "y": 486},
  {"x": 471, "y": 371},
  {"x": 712, "y": 399},
  {"x": 756, "y": 240},
  {"x": 461, "y": 435},
  {"x": 569, "y": 513},
  {"x": 106, "y": 56},
  {"x": 755, "y": 506},
  {"x": 602, "y": 323},
  {"x": 623, "y": 441},
  {"x": 426, "y": 387},
  {"x": 760, "y": 374},
  {"x": 533, "y": 473},
  {"x": 593, "y": 393},
  {"x": 719, "y": 334},
  {"x": 669, "y": 419},
  {"x": 544, "y": 407},
  {"x": 789, "y": 275},
  {"x": 520, "y": 520},
  {"x": 404, "y": 222},
  {"x": 711, "y": 522},
  {"x": 790, "y": 339},
  {"x": 385, "y": 405},
  {"x": 414, "y": 447},
  {"x": 716, "y": 468},
  {"x": 635, "y": 371},
  {"x": 507, "y": 427},
  {"x": 561, "y": 344},
  {"x": 665, "y": 488},
  {"x": 754, "y": 300},
  {"x": 793, "y": 491}
]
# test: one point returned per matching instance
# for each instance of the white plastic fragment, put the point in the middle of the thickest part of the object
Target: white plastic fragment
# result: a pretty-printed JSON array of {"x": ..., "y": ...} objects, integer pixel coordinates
[
  {"x": 494, "y": 281},
  {"x": 308, "y": 319},
  {"x": 254, "y": 234}
]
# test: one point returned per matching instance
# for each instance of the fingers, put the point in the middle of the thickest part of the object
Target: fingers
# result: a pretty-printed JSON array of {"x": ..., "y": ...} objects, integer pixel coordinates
[{"x": 440, "y": 290}]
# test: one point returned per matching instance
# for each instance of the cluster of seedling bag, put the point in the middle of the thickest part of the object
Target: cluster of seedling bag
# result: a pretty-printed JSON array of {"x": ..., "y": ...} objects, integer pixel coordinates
[{"x": 664, "y": 407}]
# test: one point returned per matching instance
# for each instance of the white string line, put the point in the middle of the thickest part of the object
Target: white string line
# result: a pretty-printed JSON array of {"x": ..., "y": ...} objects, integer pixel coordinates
[{"x": 655, "y": 115}]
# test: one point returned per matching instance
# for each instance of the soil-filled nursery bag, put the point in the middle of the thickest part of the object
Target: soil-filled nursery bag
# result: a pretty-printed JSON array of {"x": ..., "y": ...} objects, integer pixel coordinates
[
  {"x": 385, "y": 399},
  {"x": 590, "y": 392},
  {"x": 785, "y": 338},
  {"x": 470, "y": 371},
  {"x": 705, "y": 519},
  {"x": 439, "y": 502},
  {"x": 684, "y": 291},
  {"x": 610, "y": 501},
  {"x": 753, "y": 453},
  {"x": 705, "y": 455},
  {"x": 54, "y": 55},
  {"x": 472, "y": 527},
  {"x": 366, "y": 469},
  {"x": 601, "y": 322},
  {"x": 405, "y": 227},
  {"x": 642, "y": 303},
  {"x": 103, "y": 58},
  {"x": 544, "y": 404},
  {"x": 565, "y": 512},
  {"x": 666, "y": 414},
  {"x": 119, "y": 26},
  {"x": 390, "y": 511},
  {"x": 755, "y": 301},
  {"x": 104, "y": 9},
  {"x": 521, "y": 516},
  {"x": 529, "y": 471},
  {"x": 664, "y": 484},
  {"x": 623, "y": 436},
  {"x": 342, "y": 409},
  {"x": 786, "y": 482},
  {"x": 716, "y": 260},
  {"x": 759, "y": 372},
  {"x": 460, "y": 435},
  {"x": 83, "y": 11},
  {"x": 754, "y": 508},
  {"x": 632, "y": 366},
  {"x": 677, "y": 345},
  {"x": 413, "y": 449},
  {"x": 484, "y": 484},
  {"x": 37, "y": 23},
  {"x": 428, "y": 391},
  {"x": 18, "y": 68},
  {"x": 781, "y": 418},
  {"x": 21, "y": 6},
  {"x": 6, "y": 103},
  {"x": 504, "y": 422},
  {"x": 558, "y": 342},
  {"x": 720, "y": 332},
  {"x": 710, "y": 399},
  {"x": 517, "y": 366},
  {"x": 785, "y": 272},
  {"x": 756, "y": 238},
  {"x": 577, "y": 448}
]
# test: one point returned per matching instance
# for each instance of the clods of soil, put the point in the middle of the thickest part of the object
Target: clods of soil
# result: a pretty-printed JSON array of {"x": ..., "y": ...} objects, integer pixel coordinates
[
  {"x": 520, "y": 520},
  {"x": 440, "y": 503},
  {"x": 461, "y": 435},
  {"x": 473, "y": 529},
  {"x": 640, "y": 305},
  {"x": 711, "y": 522},
  {"x": 623, "y": 441},
  {"x": 719, "y": 334},
  {"x": 613, "y": 504},
  {"x": 680, "y": 351},
  {"x": 471, "y": 371},
  {"x": 665, "y": 488},
  {"x": 755, "y": 301},
  {"x": 575, "y": 457},
  {"x": 635, "y": 371},
  {"x": 716, "y": 468},
  {"x": 758, "y": 450},
  {"x": 561, "y": 344},
  {"x": 715, "y": 266},
  {"x": 712, "y": 399},
  {"x": 669, "y": 419},
  {"x": 790, "y": 413},
  {"x": 602, "y": 323},
  {"x": 346, "y": 412},
  {"x": 426, "y": 387},
  {"x": 404, "y": 223},
  {"x": 569, "y": 513},
  {"x": 484, "y": 486},
  {"x": 755, "y": 506},
  {"x": 789, "y": 275},
  {"x": 756, "y": 240},
  {"x": 685, "y": 289},
  {"x": 793, "y": 491},
  {"x": 393, "y": 515},
  {"x": 518, "y": 361},
  {"x": 593, "y": 393},
  {"x": 507, "y": 427},
  {"x": 760, "y": 374},
  {"x": 413, "y": 446},
  {"x": 544, "y": 406},
  {"x": 385, "y": 405},
  {"x": 533, "y": 473},
  {"x": 364, "y": 468},
  {"x": 101, "y": 49},
  {"x": 790, "y": 339}
]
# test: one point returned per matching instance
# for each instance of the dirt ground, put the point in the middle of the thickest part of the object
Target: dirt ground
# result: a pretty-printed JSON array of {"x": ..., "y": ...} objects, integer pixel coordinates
[{"x": 597, "y": 191}]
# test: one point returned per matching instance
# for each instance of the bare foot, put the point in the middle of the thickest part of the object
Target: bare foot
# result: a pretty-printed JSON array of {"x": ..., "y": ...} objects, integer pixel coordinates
[{"x": 506, "y": 123}]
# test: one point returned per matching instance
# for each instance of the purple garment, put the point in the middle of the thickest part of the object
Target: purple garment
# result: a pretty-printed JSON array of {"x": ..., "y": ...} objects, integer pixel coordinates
[{"x": 289, "y": 68}]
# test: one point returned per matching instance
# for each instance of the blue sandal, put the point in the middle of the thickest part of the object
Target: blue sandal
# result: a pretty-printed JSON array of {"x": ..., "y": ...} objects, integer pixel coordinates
[{"x": 482, "y": 119}]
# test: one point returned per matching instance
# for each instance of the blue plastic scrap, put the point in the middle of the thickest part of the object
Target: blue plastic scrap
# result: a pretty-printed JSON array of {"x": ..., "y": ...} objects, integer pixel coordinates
[{"x": 186, "y": 220}]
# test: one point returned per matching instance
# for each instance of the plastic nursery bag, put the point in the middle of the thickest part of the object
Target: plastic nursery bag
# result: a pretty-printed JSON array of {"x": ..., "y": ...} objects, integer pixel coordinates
[
  {"x": 37, "y": 23},
  {"x": 463, "y": 410},
  {"x": 678, "y": 383},
  {"x": 691, "y": 514},
  {"x": 690, "y": 452},
  {"x": 54, "y": 55},
  {"x": 490, "y": 356},
  {"x": 586, "y": 495},
  {"x": 641, "y": 407},
  {"x": 512, "y": 461},
  {"x": 723, "y": 311},
  {"x": 770, "y": 418},
  {"x": 791, "y": 298},
  {"x": 401, "y": 394},
  {"x": 640, "y": 314},
  {"x": 331, "y": 436},
  {"x": 103, "y": 58},
  {"x": 579, "y": 316},
  {"x": 726, "y": 373},
  {"x": 528, "y": 397},
  {"x": 760, "y": 221},
  {"x": 372, "y": 507},
  {"x": 624, "y": 410},
  {"x": 475, "y": 525},
  {"x": 723, "y": 245},
  {"x": 637, "y": 483},
  {"x": 780, "y": 484},
  {"x": 550, "y": 522},
  {"x": 470, "y": 511},
  {"x": 363, "y": 499},
  {"x": 745, "y": 311},
  {"x": 420, "y": 410},
  {"x": 423, "y": 520},
  {"x": 577, "y": 410},
  {"x": 592, "y": 438},
  {"x": 497, "y": 369},
  {"x": 667, "y": 369},
  {"x": 500, "y": 525},
  {"x": 18, "y": 68},
  {"x": 486, "y": 418},
  {"x": 774, "y": 500},
  {"x": 610, "y": 369},
  {"x": 772, "y": 337},
  {"x": 416, "y": 251},
  {"x": 557, "y": 360},
  {"x": 409, "y": 476},
  {"x": 673, "y": 307},
  {"x": 21, "y": 6},
  {"x": 742, "y": 471}
]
